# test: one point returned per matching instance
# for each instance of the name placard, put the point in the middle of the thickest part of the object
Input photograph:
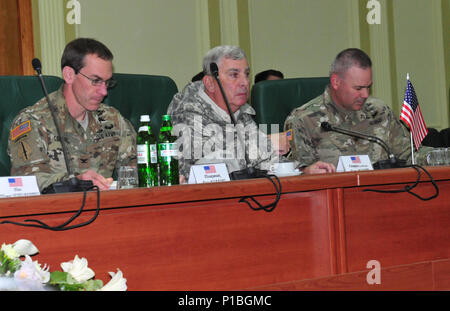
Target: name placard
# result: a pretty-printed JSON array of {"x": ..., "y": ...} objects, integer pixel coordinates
[
  {"x": 18, "y": 186},
  {"x": 206, "y": 173},
  {"x": 354, "y": 163}
]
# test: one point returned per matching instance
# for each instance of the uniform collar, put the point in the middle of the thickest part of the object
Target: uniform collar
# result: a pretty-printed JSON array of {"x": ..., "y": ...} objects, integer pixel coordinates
[{"x": 343, "y": 113}]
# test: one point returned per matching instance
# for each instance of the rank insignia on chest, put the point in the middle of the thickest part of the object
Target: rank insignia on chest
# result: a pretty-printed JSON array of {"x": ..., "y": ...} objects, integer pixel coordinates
[
  {"x": 20, "y": 130},
  {"x": 84, "y": 162}
]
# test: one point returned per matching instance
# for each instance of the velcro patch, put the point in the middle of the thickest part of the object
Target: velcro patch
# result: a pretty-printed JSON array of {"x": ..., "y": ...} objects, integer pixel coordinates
[
  {"x": 21, "y": 129},
  {"x": 289, "y": 134}
]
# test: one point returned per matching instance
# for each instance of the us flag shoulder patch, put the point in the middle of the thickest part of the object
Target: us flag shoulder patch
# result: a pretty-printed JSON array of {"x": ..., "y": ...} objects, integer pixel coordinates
[{"x": 21, "y": 129}]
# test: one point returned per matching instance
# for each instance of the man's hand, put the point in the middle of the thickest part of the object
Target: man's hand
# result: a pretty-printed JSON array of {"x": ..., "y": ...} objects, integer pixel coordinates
[
  {"x": 98, "y": 180},
  {"x": 280, "y": 142},
  {"x": 319, "y": 168}
]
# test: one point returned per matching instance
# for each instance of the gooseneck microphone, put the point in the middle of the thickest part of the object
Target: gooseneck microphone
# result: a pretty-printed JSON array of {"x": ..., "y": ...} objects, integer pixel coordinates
[
  {"x": 73, "y": 184},
  {"x": 390, "y": 163},
  {"x": 38, "y": 67},
  {"x": 215, "y": 72},
  {"x": 249, "y": 172}
]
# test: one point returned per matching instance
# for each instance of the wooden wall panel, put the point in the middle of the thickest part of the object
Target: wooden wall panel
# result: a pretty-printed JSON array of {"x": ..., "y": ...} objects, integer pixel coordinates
[
  {"x": 414, "y": 277},
  {"x": 396, "y": 228},
  {"x": 16, "y": 37}
]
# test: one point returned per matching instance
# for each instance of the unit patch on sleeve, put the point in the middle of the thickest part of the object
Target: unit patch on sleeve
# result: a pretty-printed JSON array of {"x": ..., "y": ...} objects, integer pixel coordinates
[{"x": 21, "y": 129}]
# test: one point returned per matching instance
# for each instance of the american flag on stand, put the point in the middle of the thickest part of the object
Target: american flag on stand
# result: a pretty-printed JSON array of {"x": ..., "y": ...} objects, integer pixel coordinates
[{"x": 412, "y": 115}]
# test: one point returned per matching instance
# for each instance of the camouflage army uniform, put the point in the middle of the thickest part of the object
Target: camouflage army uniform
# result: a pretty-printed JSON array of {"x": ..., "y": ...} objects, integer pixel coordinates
[
  {"x": 203, "y": 128},
  {"x": 311, "y": 143},
  {"x": 34, "y": 148}
]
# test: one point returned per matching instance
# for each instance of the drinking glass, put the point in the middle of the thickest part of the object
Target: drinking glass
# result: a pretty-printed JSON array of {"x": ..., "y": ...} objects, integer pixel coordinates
[{"x": 127, "y": 177}]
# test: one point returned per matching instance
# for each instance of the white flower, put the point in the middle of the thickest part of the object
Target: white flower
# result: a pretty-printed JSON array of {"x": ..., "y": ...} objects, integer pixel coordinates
[
  {"x": 25, "y": 247},
  {"x": 31, "y": 273},
  {"x": 10, "y": 252},
  {"x": 78, "y": 269},
  {"x": 117, "y": 283}
]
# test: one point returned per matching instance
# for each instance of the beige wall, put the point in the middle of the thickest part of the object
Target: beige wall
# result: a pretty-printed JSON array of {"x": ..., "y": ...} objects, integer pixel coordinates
[
  {"x": 298, "y": 37},
  {"x": 420, "y": 52},
  {"x": 147, "y": 36}
]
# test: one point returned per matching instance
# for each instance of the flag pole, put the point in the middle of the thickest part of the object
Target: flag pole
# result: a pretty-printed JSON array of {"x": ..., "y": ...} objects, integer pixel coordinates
[{"x": 410, "y": 133}]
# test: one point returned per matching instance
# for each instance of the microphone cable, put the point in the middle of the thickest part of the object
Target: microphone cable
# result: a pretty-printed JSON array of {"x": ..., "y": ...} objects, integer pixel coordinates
[
  {"x": 64, "y": 226},
  {"x": 269, "y": 207},
  {"x": 408, "y": 188}
]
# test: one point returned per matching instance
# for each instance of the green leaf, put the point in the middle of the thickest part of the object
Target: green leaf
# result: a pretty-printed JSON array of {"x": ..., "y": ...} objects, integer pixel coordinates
[
  {"x": 67, "y": 283},
  {"x": 92, "y": 285},
  {"x": 58, "y": 277},
  {"x": 8, "y": 264}
]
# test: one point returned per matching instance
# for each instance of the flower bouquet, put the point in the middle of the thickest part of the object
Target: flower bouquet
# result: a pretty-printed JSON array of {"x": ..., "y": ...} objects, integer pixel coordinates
[{"x": 17, "y": 274}]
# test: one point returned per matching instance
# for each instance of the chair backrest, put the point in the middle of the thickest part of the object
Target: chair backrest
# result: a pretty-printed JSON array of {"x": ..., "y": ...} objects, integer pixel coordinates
[
  {"x": 275, "y": 99},
  {"x": 18, "y": 92},
  {"x": 138, "y": 94},
  {"x": 134, "y": 95}
]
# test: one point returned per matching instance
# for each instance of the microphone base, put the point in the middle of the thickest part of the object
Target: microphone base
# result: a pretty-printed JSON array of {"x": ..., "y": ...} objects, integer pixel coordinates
[
  {"x": 248, "y": 173},
  {"x": 384, "y": 164},
  {"x": 71, "y": 185}
]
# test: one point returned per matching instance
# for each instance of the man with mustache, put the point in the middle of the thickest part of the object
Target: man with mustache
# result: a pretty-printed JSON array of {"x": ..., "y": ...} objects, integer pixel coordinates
[
  {"x": 97, "y": 138},
  {"x": 346, "y": 103},
  {"x": 200, "y": 116}
]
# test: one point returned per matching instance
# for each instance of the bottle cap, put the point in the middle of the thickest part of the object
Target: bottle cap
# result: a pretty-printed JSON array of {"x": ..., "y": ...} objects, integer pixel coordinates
[
  {"x": 145, "y": 118},
  {"x": 166, "y": 117}
]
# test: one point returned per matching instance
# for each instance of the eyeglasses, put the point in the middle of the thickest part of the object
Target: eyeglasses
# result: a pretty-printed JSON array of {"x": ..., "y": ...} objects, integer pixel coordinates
[{"x": 97, "y": 82}]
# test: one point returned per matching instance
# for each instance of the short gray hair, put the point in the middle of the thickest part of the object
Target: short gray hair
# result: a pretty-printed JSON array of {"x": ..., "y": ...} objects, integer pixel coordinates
[
  {"x": 216, "y": 55},
  {"x": 349, "y": 58}
]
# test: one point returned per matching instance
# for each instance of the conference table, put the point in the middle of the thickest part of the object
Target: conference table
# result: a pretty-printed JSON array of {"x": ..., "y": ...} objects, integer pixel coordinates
[{"x": 327, "y": 232}]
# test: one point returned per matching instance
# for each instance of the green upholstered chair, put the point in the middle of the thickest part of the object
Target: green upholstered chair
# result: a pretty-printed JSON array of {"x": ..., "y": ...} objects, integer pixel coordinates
[
  {"x": 275, "y": 99},
  {"x": 17, "y": 92},
  {"x": 138, "y": 94},
  {"x": 134, "y": 94}
]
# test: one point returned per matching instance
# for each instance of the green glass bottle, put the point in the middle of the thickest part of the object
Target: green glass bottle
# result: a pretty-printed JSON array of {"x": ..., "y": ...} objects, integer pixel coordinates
[
  {"x": 168, "y": 154},
  {"x": 147, "y": 155}
]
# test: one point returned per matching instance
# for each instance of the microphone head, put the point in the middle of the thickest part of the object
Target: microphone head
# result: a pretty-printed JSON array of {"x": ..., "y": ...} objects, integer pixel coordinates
[
  {"x": 326, "y": 126},
  {"x": 36, "y": 64},
  {"x": 214, "y": 69}
]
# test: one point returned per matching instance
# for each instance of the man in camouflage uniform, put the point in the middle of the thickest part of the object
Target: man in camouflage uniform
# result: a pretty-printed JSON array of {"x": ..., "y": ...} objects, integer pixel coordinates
[
  {"x": 96, "y": 137},
  {"x": 204, "y": 126},
  {"x": 346, "y": 103}
]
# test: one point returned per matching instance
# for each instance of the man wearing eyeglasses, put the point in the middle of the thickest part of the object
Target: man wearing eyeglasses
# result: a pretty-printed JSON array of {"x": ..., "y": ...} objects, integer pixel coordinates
[{"x": 96, "y": 138}]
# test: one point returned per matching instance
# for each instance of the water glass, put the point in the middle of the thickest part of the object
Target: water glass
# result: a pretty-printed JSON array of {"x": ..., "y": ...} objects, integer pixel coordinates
[
  {"x": 127, "y": 177},
  {"x": 438, "y": 156}
]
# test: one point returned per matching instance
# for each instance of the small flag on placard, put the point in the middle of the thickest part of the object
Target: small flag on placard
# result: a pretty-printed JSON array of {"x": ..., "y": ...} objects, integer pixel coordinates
[
  {"x": 15, "y": 182},
  {"x": 209, "y": 169},
  {"x": 412, "y": 115},
  {"x": 355, "y": 159}
]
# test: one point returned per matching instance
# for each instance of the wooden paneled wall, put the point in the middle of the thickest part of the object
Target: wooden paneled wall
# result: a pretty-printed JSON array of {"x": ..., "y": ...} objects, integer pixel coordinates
[{"x": 16, "y": 37}]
